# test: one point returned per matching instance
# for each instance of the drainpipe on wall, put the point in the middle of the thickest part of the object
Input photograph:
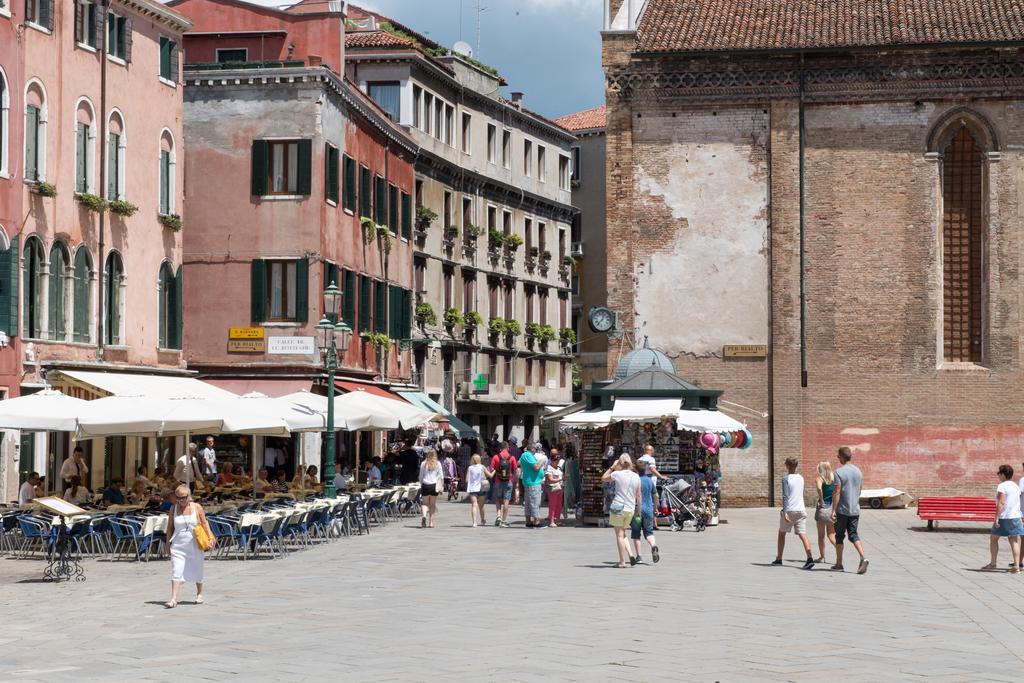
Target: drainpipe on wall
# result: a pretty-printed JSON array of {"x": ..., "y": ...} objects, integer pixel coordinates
[
  {"x": 771, "y": 337},
  {"x": 803, "y": 250},
  {"x": 103, "y": 184}
]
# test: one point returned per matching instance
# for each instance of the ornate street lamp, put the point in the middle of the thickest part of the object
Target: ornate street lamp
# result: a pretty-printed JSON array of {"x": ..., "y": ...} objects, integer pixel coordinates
[{"x": 334, "y": 340}]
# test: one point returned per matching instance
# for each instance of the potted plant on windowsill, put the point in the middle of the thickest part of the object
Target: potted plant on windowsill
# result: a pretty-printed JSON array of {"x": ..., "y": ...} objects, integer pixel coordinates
[
  {"x": 567, "y": 336},
  {"x": 171, "y": 221},
  {"x": 495, "y": 239},
  {"x": 451, "y": 233},
  {"x": 496, "y": 327},
  {"x": 425, "y": 217},
  {"x": 512, "y": 330},
  {"x": 545, "y": 334},
  {"x": 122, "y": 208},
  {"x": 452, "y": 319},
  {"x": 513, "y": 242},
  {"x": 473, "y": 232},
  {"x": 90, "y": 201},
  {"x": 44, "y": 189},
  {"x": 378, "y": 340},
  {"x": 425, "y": 314},
  {"x": 471, "y": 320}
]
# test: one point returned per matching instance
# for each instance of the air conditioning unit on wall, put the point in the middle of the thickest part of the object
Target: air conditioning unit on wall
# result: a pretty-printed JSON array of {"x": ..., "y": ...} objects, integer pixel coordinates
[{"x": 577, "y": 249}]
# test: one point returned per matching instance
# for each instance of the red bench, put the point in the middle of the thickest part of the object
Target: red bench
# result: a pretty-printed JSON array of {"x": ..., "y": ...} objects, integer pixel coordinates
[{"x": 956, "y": 509}]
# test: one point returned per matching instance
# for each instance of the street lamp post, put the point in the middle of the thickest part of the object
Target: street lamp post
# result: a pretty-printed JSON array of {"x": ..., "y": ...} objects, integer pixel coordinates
[{"x": 334, "y": 340}]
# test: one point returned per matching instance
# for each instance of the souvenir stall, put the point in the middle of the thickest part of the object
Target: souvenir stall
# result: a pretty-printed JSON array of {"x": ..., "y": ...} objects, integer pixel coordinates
[{"x": 679, "y": 419}]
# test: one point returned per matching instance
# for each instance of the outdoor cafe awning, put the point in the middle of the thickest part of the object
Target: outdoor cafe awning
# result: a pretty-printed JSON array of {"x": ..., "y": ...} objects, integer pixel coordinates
[
  {"x": 90, "y": 384},
  {"x": 461, "y": 429},
  {"x": 644, "y": 409}
]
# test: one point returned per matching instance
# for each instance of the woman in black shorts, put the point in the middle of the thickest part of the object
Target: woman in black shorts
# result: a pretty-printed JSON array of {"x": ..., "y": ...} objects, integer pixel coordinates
[{"x": 431, "y": 481}]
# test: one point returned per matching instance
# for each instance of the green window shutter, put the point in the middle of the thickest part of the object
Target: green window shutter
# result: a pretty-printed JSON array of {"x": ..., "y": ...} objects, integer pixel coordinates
[
  {"x": 348, "y": 311},
  {"x": 350, "y": 184},
  {"x": 46, "y": 13},
  {"x": 163, "y": 325},
  {"x": 259, "y": 290},
  {"x": 9, "y": 289},
  {"x": 365, "y": 193},
  {"x": 32, "y": 143},
  {"x": 393, "y": 312},
  {"x": 380, "y": 198},
  {"x": 81, "y": 296},
  {"x": 127, "y": 39},
  {"x": 179, "y": 320},
  {"x": 406, "y": 216},
  {"x": 407, "y": 309},
  {"x": 81, "y": 157},
  {"x": 302, "y": 290},
  {"x": 393, "y": 209},
  {"x": 55, "y": 295},
  {"x": 112, "y": 167},
  {"x": 165, "y": 57},
  {"x": 331, "y": 173},
  {"x": 305, "y": 180},
  {"x": 112, "y": 35},
  {"x": 165, "y": 182},
  {"x": 364, "y": 304},
  {"x": 380, "y": 310},
  {"x": 260, "y": 159},
  {"x": 174, "y": 61}
]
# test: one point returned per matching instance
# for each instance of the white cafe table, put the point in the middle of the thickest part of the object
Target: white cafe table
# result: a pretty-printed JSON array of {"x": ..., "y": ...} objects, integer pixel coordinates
[{"x": 154, "y": 523}]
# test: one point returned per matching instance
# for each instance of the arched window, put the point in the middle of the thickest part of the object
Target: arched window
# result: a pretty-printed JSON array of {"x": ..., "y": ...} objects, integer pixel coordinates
[
  {"x": 85, "y": 142},
  {"x": 167, "y": 164},
  {"x": 35, "y": 132},
  {"x": 962, "y": 142},
  {"x": 32, "y": 288},
  {"x": 58, "y": 292},
  {"x": 83, "y": 296},
  {"x": 115, "y": 156},
  {"x": 113, "y": 300},
  {"x": 5, "y": 107},
  {"x": 169, "y": 313}
]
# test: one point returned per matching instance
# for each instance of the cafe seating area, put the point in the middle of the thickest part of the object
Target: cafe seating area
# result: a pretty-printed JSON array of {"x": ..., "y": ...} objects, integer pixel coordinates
[{"x": 244, "y": 528}]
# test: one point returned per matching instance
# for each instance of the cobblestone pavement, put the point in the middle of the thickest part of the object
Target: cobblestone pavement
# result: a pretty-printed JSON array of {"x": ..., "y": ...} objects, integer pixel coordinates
[{"x": 516, "y": 604}]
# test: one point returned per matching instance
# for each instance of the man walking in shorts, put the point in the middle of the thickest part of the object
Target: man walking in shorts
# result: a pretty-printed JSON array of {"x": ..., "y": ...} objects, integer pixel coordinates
[
  {"x": 794, "y": 514},
  {"x": 504, "y": 467},
  {"x": 846, "y": 508}
]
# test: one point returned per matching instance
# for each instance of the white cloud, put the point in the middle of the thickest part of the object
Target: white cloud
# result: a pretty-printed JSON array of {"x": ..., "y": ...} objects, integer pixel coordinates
[{"x": 563, "y": 5}]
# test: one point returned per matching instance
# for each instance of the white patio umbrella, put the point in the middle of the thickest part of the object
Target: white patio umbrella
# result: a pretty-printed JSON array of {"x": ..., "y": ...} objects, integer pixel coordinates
[
  {"x": 298, "y": 416},
  {"x": 349, "y": 414},
  {"x": 143, "y": 416},
  {"x": 44, "y": 411},
  {"x": 397, "y": 414}
]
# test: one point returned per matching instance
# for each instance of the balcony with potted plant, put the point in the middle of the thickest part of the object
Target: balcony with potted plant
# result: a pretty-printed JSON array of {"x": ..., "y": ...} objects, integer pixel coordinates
[
  {"x": 470, "y": 235},
  {"x": 567, "y": 337},
  {"x": 471, "y": 321},
  {"x": 425, "y": 217},
  {"x": 451, "y": 235},
  {"x": 512, "y": 330},
  {"x": 425, "y": 315},
  {"x": 495, "y": 239},
  {"x": 531, "y": 258},
  {"x": 567, "y": 263}
]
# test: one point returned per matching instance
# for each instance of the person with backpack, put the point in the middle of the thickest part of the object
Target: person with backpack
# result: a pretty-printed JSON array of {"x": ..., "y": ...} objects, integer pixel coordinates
[
  {"x": 532, "y": 467},
  {"x": 504, "y": 466}
]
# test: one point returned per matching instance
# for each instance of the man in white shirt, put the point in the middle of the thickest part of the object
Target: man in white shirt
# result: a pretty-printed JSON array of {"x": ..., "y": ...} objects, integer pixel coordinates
[
  {"x": 209, "y": 459},
  {"x": 794, "y": 514},
  {"x": 186, "y": 470},
  {"x": 75, "y": 465},
  {"x": 28, "y": 490}
]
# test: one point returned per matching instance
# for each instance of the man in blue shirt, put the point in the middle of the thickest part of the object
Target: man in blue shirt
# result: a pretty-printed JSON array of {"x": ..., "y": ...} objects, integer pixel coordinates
[
  {"x": 644, "y": 524},
  {"x": 114, "y": 495}
]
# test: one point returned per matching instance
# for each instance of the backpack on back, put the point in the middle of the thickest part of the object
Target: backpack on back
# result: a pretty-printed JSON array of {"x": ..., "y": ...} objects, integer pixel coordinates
[{"x": 504, "y": 470}]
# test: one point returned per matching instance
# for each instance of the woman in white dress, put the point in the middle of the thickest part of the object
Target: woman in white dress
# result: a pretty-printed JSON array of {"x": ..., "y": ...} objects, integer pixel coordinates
[
  {"x": 431, "y": 481},
  {"x": 476, "y": 476},
  {"x": 186, "y": 557}
]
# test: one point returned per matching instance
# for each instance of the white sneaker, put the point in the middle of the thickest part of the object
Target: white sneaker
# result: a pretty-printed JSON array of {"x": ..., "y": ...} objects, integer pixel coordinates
[{"x": 474, "y": 526}]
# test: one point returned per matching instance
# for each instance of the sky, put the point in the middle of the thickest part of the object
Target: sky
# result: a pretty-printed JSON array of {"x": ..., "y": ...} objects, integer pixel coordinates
[{"x": 548, "y": 49}]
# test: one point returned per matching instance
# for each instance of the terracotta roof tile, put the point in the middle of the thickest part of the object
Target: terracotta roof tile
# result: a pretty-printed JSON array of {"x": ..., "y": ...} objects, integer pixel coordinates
[
  {"x": 584, "y": 120},
  {"x": 376, "y": 39},
  {"x": 734, "y": 25}
]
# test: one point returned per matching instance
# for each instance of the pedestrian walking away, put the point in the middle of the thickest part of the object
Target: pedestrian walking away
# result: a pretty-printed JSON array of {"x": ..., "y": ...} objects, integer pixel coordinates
[
  {"x": 643, "y": 525},
  {"x": 431, "y": 481},
  {"x": 825, "y": 484},
  {"x": 625, "y": 504},
  {"x": 505, "y": 469},
  {"x": 1007, "y": 523},
  {"x": 793, "y": 517},
  {"x": 533, "y": 466},
  {"x": 476, "y": 479},
  {"x": 554, "y": 477},
  {"x": 846, "y": 508},
  {"x": 186, "y": 556},
  {"x": 652, "y": 470}
]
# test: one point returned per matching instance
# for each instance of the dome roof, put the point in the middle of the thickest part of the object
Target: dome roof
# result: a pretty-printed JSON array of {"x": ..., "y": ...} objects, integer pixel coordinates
[{"x": 644, "y": 358}]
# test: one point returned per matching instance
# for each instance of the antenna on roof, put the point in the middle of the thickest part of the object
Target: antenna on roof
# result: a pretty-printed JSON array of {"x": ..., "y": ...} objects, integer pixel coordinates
[{"x": 479, "y": 10}]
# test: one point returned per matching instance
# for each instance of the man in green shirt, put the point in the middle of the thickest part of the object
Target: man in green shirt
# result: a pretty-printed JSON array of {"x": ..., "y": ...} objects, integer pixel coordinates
[{"x": 532, "y": 464}]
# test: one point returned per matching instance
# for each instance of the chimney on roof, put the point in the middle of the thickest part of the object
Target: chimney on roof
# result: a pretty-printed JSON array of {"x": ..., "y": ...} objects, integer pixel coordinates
[{"x": 517, "y": 99}]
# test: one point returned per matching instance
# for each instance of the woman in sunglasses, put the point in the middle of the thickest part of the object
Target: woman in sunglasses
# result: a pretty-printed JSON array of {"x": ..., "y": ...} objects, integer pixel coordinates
[{"x": 186, "y": 557}]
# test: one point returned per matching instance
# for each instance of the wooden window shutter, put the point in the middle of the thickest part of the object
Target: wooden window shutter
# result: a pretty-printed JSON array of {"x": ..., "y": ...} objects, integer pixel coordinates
[
  {"x": 393, "y": 209},
  {"x": 350, "y": 184},
  {"x": 380, "y": 199},
  {"x": 260, "y": 159},
  {"x": 162, "y": 314},
  {"x": 81, "y": 297},
  {"x": 32, "y": 143},
  {"x": 365, "y": 193},
  {"x": 9, "y": 289},
  {"x": 174, "y": 61},
  {"x": 175, "y": 330},
  {"x": 302, "y": 290},
  {"x": 259, "y": 290},
  {"x": 406, "y": 314},
  {"x": 112, "y": 166},
  {"x": 127, "y": 39},
  {"x": 380, "y": 310},
  {"x": 165, "y": 182},
  {"x": 406, "y": 216},
  {"x": 81, "y": 158},
  {"x": 348, "y": 292},
  {"x": 331, "y": 173},
  {"x": 364, "y": 304},
  {"x": 305, "y": 180},
  {"x": 394, "y": 312},
  {"x": 46, "y": 13},
  {"x": 79, "y": 22},
  {"x": 99, "y": 25}
]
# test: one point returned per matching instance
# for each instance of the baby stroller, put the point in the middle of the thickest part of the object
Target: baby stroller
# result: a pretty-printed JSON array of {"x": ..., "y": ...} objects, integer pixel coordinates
[{"x": 681, "y": 501}]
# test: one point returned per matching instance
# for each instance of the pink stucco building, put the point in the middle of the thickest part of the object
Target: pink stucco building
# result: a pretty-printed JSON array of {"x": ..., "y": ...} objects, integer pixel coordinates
[{"x": 285, "y": 158}]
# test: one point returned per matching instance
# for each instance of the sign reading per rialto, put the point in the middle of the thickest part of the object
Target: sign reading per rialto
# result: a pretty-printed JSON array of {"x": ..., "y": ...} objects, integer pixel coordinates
[{"x": 299, "y": 346}]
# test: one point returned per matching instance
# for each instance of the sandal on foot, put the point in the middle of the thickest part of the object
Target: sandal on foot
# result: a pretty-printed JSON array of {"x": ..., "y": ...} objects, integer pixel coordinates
[
  {"x": 171, "y": 604},
  {"x": 988, "y": 567},
  {"x": 199, "y": 600}
]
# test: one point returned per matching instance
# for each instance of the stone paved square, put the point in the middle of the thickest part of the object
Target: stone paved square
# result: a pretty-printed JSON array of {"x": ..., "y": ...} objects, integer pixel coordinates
[{"x": 458, "y": 603}]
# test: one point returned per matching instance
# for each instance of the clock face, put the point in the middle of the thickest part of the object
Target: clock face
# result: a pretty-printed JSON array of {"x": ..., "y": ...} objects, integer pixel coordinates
[{"x": 601, "y": 319}]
